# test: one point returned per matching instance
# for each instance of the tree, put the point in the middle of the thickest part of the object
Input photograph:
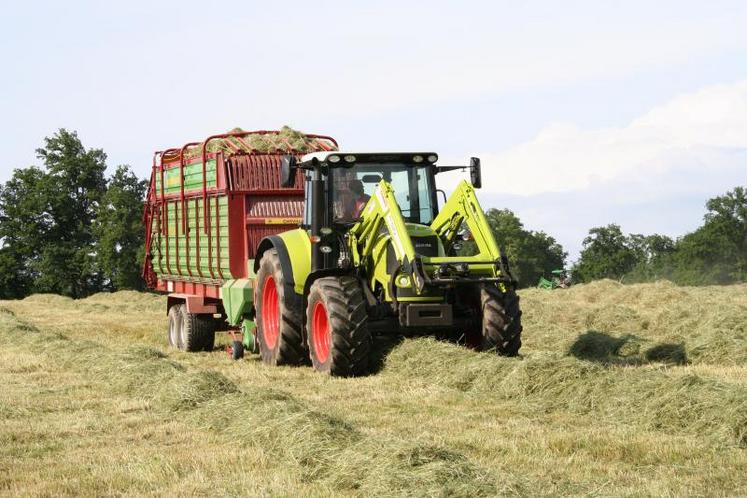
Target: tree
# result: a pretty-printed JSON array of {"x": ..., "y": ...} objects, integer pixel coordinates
[
  {"x": 606, "y": 253},
  {"x": 653, "y": 255},
  {"x": 716, "y": 253},
  {"x": 25, "y": 223},
  {"x": 119, "y": 230},
  {"x": 531, "y": 254},
  {"x": 73, "y": 186}
]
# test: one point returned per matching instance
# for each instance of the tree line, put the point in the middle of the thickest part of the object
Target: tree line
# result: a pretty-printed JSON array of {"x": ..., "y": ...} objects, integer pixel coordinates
[
  {"x": 715, "y": 253},
  {"x": 67, "y": 228}
]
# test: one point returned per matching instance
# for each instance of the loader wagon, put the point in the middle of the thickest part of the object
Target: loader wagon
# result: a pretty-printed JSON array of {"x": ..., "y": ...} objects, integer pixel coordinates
[
  {"x": 205, "y": 214},
  {"x": 321, "y": 249}
]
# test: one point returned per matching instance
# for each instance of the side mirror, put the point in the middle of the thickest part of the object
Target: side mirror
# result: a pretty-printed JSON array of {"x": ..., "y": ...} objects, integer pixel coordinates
[
  {"x": 475, "y": 173},
  {"x": 287, "y": 171}
]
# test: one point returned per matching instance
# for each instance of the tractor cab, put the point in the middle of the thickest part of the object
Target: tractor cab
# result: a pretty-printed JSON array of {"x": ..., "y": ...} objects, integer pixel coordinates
[{"x": 339, "y": 185}]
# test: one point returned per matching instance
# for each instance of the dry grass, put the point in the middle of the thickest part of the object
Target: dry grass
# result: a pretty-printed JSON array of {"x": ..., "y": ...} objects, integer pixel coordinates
[{"x": 622, "y": 390}]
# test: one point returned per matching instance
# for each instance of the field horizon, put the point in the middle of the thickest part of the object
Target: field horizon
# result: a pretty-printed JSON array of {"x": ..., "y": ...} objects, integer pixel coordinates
[{"x": 620, "y": 390}]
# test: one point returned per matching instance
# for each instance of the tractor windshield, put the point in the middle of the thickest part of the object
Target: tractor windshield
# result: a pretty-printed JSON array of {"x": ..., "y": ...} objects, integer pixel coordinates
[{"x": 353, "y": 187}]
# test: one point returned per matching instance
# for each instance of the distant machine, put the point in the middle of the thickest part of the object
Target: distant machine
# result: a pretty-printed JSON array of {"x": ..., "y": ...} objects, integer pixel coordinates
[{"x": 560, "y": 279}]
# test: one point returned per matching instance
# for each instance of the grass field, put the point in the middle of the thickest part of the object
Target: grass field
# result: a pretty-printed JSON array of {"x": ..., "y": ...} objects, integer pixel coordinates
[{"x": 634, "y": 390}]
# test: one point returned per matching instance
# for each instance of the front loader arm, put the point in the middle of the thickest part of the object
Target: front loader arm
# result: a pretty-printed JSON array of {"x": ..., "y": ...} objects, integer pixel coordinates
[
  {"x": 461, "y": 207},
  {"x": 382, "y": 208}
]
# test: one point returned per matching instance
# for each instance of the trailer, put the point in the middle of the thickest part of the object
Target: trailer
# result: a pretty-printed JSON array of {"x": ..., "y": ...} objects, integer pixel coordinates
[{"x": 208, "y": 206}]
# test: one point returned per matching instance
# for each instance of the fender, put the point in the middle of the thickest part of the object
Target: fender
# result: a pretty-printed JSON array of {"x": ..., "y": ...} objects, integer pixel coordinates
[
  {"x": 294, "y": 251},
  {"x": 275, "y": 242}
]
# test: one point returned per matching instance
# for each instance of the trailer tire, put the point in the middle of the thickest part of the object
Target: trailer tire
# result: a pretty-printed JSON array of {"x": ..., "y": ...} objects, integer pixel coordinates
[
  {"x": 175, "y": 325},
  {"x": 208, "y": 341},
  {"x": 501, "y": 321},
  {"x": 279, "y": 316},
  {"x": 237, "y": 350},
  {"x": 195, "y": 330},
  {"x": 337, "y": 325}
]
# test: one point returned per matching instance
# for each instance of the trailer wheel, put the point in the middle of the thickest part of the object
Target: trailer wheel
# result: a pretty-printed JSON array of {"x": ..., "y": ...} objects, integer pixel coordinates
[
  {"x": 501, "y": 321},
  {"x": 337, "y": 321},
  {"x": 237, "y": 350},
  {"x": 195, "y": 330},
  {"x": 279, "y": 317},
  {"x": 208, "y": 335},
  {"x": 175, "y": 325}
]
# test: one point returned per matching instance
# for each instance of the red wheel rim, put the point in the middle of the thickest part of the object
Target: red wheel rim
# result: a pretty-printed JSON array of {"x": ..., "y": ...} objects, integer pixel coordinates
[
  {"x": 320, "y": 332},
  {"x": 270, "y": 313}
]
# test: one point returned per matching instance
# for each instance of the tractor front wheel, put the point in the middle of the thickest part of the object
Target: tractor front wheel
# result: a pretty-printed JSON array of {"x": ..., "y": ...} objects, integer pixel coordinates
[
  {"x": 337, "y": 326},
  {"x": 501, "y": 321},
  {"x": 279, "y": 315}
]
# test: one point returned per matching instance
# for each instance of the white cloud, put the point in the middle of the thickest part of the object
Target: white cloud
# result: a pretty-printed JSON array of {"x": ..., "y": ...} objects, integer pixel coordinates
[{"x": 702, "y": 130}]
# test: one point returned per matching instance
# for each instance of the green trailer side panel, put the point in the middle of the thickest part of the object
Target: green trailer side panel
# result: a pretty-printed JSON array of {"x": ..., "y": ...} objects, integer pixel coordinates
[
  {"x": 192, "y": 178},
  {"x": 176, "y": 253}
]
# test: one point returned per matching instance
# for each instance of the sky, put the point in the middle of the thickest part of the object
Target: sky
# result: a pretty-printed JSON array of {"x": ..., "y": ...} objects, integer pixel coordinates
[{"x": 583, "y": 113}]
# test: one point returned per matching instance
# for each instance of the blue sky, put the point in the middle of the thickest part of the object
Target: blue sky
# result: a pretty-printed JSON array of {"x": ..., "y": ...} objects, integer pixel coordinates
[{"x": 584, "y": 113}]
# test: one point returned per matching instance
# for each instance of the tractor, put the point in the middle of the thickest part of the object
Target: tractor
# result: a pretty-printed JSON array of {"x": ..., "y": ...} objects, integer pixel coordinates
[{"x": 373, "y": 256}]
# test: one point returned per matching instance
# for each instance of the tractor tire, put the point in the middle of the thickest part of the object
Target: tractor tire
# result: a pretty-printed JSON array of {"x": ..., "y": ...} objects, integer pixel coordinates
[
  {"x": 279, "y": 317},
  {"x": 337, "y": 325},
  {"x": 501, "y": 321},
  {"x": 175, "y": 327},
  {"x": 195, "y": 330}
]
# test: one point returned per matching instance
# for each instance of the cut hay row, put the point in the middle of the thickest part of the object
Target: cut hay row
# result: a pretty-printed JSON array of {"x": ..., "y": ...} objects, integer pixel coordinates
[
  {"x": 315, "y": 446},
  {"x": 621, "y": 390}
]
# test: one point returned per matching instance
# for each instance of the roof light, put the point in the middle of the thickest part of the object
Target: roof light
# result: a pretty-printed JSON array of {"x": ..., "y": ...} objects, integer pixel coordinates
[
  {"x": 432, "y": 158},
  {"x": 325, "y": 231},
  {"x": 349, "y": 158},
  {"x": 333, "y": 159},
  {"x": 417, "y": 159}
]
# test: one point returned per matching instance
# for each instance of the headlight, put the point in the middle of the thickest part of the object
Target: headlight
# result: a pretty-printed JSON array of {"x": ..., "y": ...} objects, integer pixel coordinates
[
  {"x": 333, "y": 159},
  {"x": 349, "y": 158},
  {"x": 417, "y": 159},
  {"x": 403, "y": 281},
  {"x": 432, "y": 158},
  {"x": 325, "y": 249}
]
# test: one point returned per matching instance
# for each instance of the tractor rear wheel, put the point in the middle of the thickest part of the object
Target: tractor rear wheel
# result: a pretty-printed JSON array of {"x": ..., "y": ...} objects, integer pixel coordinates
[
  {"x": 337, "y": 325},
  {"x": 279, "y": 316},
  {"x": 501, "y": 321}
]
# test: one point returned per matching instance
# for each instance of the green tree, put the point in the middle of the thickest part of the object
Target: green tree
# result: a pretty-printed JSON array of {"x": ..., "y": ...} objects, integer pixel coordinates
[
  {"x": 606, "y": 253},
  {"x": 653, "y": 255},
  {"x": 716, "y": 253},
  {"x": 119, "y": 230},
  {"x": 73, "y": 186},
  {"x": 531, "y": 254},
  {"x": 25, "y": 223}
]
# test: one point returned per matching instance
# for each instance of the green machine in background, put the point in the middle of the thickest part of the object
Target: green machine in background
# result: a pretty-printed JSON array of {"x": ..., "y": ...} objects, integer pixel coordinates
[{"x": 560, "y": 279}]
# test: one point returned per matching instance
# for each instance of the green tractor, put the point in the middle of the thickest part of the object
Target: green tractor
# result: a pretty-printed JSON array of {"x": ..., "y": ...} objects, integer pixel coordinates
[
  {"x": 560, "y": 279},
  {"x": 375, "y": 256}
]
